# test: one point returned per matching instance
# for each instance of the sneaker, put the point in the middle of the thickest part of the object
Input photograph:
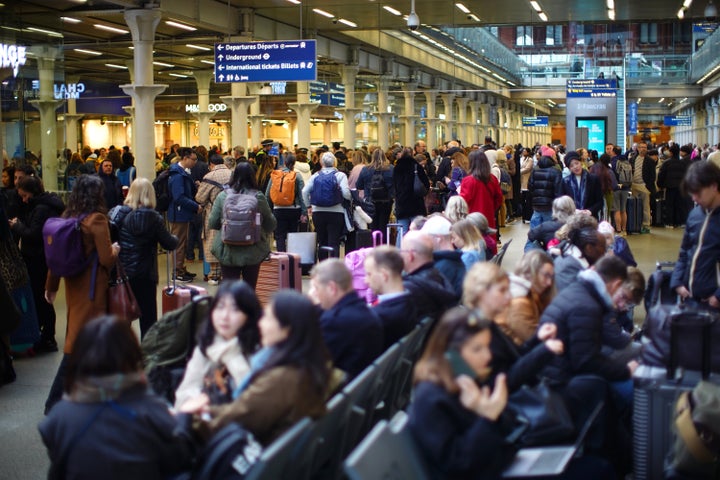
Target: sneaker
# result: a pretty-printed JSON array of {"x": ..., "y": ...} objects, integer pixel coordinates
[
  {"x": 645, "y": 230},
  {"x": 183, "y": 277},
  {"x": 213, "y": 281},
  {"x": 46, "y": 346},
  {"x": 189, "y": 274}
]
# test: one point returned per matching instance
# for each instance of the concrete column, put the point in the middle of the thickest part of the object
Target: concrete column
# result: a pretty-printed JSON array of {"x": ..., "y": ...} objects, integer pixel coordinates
[
  {"x": 716, "y": 122},
  {"x": 203, "y": 78},
  {"x": 238, "y": 103},
  {"x": 409, "y": 118},
  {"x": 349, "y": 74},
  {"x": 46, "y": 104},
  {"x": 474, "y": 123},
  {"x": 502, "y": 130},
  {"x": 327, "y": 132},
  {"x": 383, "y": 116},
  {"x": 255, "y": 117},
  {"x": 431, "y": 120},
  {"x": 142, "y": 24},
  {"x": 303, "y": 108},
  {"x": 449, "y": 122},
  {"x": 463, "y": 134},
  {"x": 484, "y": 121},
  {"x": 509, "y": 117},
  {"x": 131, "y": 111}
]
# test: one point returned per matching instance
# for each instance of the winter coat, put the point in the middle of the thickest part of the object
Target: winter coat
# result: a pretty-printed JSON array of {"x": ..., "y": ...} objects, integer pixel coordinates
[
  {"x": 589, "y": 196},
  {"x": 483, "y": 197},
  {"x": 139, "y": 232},
  {"x": 449, "y": 263},
  {"x": 520, "y": 320},
  {"x": 578, "y": 313},
  {"x": 182, "y": 207},
  {"x": 407, "y": 204},
  {"x": 545, "y": 184},
  {"x": 432, "y": 293},
  {"x": 80, "y": 307},
  {"x": 352, "y": 333},
  {"x": 364, "y": 181},
  {"x": 672, "y": 172},
  {"x": 29, "y": 230},
  {"x": 398, "y": 316},
  {"x": 303, "y": 170},
  {"x": 113, "y": 189},
  {"x": 205, "y": 196},
  {"x": 242, "y": 255}
]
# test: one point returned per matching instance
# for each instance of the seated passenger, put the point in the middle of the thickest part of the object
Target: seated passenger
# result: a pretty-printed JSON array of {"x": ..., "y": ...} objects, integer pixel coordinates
[
  {"x": 108, "y": 425},
  {"x": 540, "y": 236},
  {"x": 580, "y": 247},
  {"x": 489, "y": 234},
  {"x": 617, "y": 326},
  {"x": 432, "y": 293},
  {"x": 467, "y": 238},
  {"x": 458, "y": 418},
  {"x": 352, "y": 332},
  {"x": 532, "y": 288},
  {"x": 289, "y": 376},
  {"x": 617, "y": 244},
  {"x": 448, "y": 261},
  {"x": 226, "y": 341},
  {"x": 394, "y": 306}
]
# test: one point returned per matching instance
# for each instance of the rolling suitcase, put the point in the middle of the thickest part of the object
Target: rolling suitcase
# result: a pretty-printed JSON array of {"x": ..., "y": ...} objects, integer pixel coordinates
[
  {"x": 634, "y": 214},
  {"x": 527, "y": 209},
  {"x": 175, "y": 296},
  {"x": 656, "y": 390},
  {"x": 278, "y": 271},
  {"x": 305, "y": 245}
]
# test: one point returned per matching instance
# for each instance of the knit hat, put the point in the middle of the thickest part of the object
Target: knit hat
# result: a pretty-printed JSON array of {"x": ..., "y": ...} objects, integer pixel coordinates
[
  {"x": 546, "y": 151},
  {"x": 437, "y": 225},
  {"x": 571, "y": 155}
]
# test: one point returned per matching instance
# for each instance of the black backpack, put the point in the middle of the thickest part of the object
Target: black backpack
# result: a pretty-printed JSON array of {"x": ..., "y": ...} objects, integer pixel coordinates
[
  {"x": 161, "y": 184},
  {"x": 229, "y": 455},
  {"x": 379, "y": 191}
]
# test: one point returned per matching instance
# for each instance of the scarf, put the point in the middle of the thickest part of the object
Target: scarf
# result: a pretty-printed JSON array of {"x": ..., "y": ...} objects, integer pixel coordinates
[
  {"x": 105, "y": 388},
  {"x": 579, "y": 190},
  {"x": 257, "y": 362}
]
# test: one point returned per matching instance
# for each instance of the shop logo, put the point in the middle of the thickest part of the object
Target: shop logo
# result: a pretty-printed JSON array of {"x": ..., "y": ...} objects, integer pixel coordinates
[
  {"x": 12, "y": 56},
  {"x": 69, "y": 91}
]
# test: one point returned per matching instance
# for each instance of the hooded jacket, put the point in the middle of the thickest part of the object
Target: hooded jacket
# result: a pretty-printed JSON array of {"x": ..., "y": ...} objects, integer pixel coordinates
[
  {"x": 407, "y": 204},
  {"x": 545, "y": 184},
  {"x": 41, "y": 207}
]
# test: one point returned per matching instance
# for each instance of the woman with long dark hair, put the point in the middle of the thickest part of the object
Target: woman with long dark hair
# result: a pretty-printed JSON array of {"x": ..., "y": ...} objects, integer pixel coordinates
[
  {"x": 226, "y": 341},
  {"x": 238, "y": 261},
  {"x": 289, "y": 378},
  {"x": 481, "y": 189},
  {"x": 376, "y": 181},
  {"x": 109, "y": 425},
  {"x": 86, "y": 293},
  {"x": 408, "y": 204}
]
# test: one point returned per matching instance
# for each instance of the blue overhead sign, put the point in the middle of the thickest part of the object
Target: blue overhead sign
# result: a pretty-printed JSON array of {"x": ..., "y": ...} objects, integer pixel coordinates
[
  {"x": 541, "y": 121},
  {"x": 678, "y": 120},
  {"x": 591, "y": 88},
  {"x": 327, "y": 93},
  {"x": 285, "y": 60},
  {"x": 632, "y": 118}
]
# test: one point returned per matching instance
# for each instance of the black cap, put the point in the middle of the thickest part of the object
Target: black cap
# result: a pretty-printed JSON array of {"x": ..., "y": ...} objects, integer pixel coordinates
[
  {"x": 267, "y": 141},
  {"x": 324, "y": 147},
  {"x": 302, "y": 150}
]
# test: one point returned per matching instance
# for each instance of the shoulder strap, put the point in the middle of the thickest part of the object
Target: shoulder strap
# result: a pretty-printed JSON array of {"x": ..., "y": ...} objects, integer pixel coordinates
[{"x": 212, "y": 182}]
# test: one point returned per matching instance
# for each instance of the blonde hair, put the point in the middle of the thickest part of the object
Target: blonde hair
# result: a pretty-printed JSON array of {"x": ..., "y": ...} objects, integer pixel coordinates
[
  {"x": 470, "y": 235},
  {"x": 479, "y": 279},
  {"x": 456, "y": 208},
  {"x": 141, "y": 194}
]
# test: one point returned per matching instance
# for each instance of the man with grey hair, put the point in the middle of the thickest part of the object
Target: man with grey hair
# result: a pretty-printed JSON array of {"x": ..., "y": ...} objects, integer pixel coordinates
[
  {"x": 325, "y": 192},
  {"x": 239, "y": 153}
]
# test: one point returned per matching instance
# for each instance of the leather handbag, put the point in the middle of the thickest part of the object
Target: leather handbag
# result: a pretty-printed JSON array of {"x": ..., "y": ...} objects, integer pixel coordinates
[
  {"x": 121, "y": 299},
  {"x": 419, "y": 188},
  {"x": 544, "y": 411}
]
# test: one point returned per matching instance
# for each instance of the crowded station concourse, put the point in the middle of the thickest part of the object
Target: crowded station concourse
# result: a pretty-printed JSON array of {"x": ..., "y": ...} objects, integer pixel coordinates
[{"x": 410, "y": 211}]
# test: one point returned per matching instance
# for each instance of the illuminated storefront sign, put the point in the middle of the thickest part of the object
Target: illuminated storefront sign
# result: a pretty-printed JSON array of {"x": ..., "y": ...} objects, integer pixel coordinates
[
  {"x": 71, "y": 90},
  {"x": 213, "y": 107},
  {"x": 12, "y": 56}
]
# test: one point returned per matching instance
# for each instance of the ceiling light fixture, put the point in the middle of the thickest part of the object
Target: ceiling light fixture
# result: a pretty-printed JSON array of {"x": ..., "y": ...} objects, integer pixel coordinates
[
  {"x": 611, "y": 4},
  {"x": 49, "y": 33},
  {"x": 611, "y": 14},
  {"x": 392, "y": 10},
  {"x": 179, "y": 75},
  {"x": 687, "y": 3},
  {"x": 639, "y": 100},
  {"x": 208, "y": 62},
  {"x": 462, "y": 8},
  {"x": 198, "y": 47},
  {"x": 110, "y": 29},
  {"x": 296, "y": 2},
  {"x": 163, "y": 64},
  {"x": 323, "y": 13},
  {"x": 172, "y": 23},
  {"x": 543, "y": 16},
  {"x": 70, "y": 19},
  {"x": 661, "y": 100},
  {"x": 710, "y": 11},
  {"x": 536, "y": 6},
  {"x": 348, "y": 23},
  {"x": 681, "y": 13},
  {"x": 474, "y": 17},
  {"x": 88, "y": 52},
  {"x": 112, "y": 65}
]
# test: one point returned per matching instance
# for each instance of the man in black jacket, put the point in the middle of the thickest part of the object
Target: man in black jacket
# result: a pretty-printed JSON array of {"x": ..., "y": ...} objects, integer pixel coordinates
[{"x": 394, "y": 306}]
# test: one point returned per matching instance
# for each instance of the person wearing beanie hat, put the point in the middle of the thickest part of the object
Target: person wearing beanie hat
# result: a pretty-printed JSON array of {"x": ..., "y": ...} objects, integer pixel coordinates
[
  {"x": 583, "y": 187},
  {"x": 547, "y": 151}
]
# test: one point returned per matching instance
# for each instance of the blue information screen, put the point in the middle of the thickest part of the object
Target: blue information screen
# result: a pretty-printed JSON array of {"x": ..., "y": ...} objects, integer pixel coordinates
[
  {"x": 286, "y": 60},
  {"x": 678, "y": 120},
  {"x": 597, "y": 132}
]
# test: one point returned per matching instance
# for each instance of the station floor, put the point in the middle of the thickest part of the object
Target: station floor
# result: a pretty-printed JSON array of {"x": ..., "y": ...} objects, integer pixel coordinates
[{"x": 22, "y": 454}]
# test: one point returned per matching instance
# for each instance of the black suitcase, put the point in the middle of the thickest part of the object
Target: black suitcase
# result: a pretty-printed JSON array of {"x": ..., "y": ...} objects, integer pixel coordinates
[
  {"x": 526, "y": 206},
  {"x": 656, "y": 390},
  {"x": 634, "y": 214},
  {"x": 659, "y": 215}
]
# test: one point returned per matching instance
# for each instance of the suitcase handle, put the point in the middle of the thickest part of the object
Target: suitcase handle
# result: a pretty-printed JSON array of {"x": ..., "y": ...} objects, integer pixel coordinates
[
  {"x": 401, "y": 231},
  {"x": 377, "y": 238},
  {"x": 701, "y": 321}
]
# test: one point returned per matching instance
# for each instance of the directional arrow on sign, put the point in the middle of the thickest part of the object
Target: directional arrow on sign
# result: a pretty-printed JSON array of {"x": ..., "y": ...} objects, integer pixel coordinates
[
  {"x": 221, "y": 77},
  {"x": 220, "y": 47},
  {"x": 220, "y": 57},
  {"x": 220, "y": 67}
]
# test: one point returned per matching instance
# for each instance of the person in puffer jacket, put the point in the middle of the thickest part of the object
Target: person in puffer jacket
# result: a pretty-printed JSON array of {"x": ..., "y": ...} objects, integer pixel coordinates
[
  {"x": 140, "y": 228},
  {"x": 545, "y": 185}
]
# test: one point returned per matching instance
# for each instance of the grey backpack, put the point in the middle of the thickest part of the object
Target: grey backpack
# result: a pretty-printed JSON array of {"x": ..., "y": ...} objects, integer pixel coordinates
[{"x": 241, "y": 219}]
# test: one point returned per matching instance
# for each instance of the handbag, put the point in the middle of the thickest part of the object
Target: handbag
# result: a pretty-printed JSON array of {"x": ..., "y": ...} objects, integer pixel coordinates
[
  {"x": 219, "y": 385},
  {"x": 419, "y": 188},
  {"x": 121, "y": 299},
  {"x": 697, "y": 428},
  {"x": 544, "y": 410}
]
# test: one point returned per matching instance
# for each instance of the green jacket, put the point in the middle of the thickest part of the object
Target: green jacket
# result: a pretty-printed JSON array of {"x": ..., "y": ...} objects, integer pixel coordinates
[{"x": 241, "y": 255}]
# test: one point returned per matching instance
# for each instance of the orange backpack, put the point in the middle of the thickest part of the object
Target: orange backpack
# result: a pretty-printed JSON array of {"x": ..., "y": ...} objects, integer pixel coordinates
[{"x": 282, "y": 190}]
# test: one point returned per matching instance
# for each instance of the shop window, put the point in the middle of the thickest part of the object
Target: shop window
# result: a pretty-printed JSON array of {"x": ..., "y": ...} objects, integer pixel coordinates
[
  {"x": 553, "y": 35},
  {"x": 524, "y": 36}
]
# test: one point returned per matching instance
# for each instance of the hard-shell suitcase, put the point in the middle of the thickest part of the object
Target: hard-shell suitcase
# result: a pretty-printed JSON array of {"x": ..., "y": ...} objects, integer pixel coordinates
[
  {"x": 278, "y": 271},
  {"x": 659, "y": 214},
  {"x": 634, "y": 214},
  {"x": 655, "y": 392},
  {"x": 527, "y": 209},
  {"x": 175, "y": 296}
]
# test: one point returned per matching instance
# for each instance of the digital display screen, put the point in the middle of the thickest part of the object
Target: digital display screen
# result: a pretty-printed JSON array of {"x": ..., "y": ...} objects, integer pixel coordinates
[{"x": 597, "y": 132}]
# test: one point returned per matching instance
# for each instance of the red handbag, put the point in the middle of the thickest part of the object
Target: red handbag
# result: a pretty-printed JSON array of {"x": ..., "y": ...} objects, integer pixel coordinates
[{"x": 121, "y": 299}]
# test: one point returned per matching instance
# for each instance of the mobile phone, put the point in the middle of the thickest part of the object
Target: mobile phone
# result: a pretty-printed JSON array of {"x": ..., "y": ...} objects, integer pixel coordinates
[{"x": 458, "y": 364}]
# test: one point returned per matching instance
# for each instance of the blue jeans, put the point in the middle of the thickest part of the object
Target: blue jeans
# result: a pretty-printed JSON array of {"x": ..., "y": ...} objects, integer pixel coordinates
[
  {"x": 535, "y": 221},
  {"x": 405, "y": 222}
]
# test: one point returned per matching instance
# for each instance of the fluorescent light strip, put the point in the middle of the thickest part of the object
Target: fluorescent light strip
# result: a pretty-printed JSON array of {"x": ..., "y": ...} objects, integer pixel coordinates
[
  {"x": 681, "y": 14},
  {"x": 208, "y": 62},
  {"x": 162, "y": 64},
  {"x": 323, "y": 13},
  {"x": 687, "y": 3},
  {"x": 49, "y": 33},
  {"x": 89, "y": 52},
  {"x": 198, "y": 47},
  {"x": 392, "y": 10},
  {"x": 177, "y": 75},
  {"x": 536, "y": 6},
  {"x": 708, "y": 75},
  {"x": 180, "y": 25},
  {"x": 70, "y": 19},
  {"x": 112, "y": 65},
  {"x": 348, "y": 23},
  {"x": 611, "y": 14},
  {"x": 110, "y": 29},
  {"x": 610, "y": 4},
  {"x": 296, "y": 2},
  {"x": 542, "y": 16},
  {"x": 474, "y": 17},
  {"x": 661, "y": 100},
  {"x": 462, "y": 8},
  {"x": 639, "y": 100}
]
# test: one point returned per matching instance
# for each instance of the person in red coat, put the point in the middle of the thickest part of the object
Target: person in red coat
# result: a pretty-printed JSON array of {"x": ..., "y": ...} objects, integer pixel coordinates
[{"x": 480, "y": 189}]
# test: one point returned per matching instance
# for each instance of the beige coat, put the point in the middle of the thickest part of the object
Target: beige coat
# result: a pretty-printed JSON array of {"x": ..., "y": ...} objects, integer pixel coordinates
[{"x": 205, "y": 196}]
